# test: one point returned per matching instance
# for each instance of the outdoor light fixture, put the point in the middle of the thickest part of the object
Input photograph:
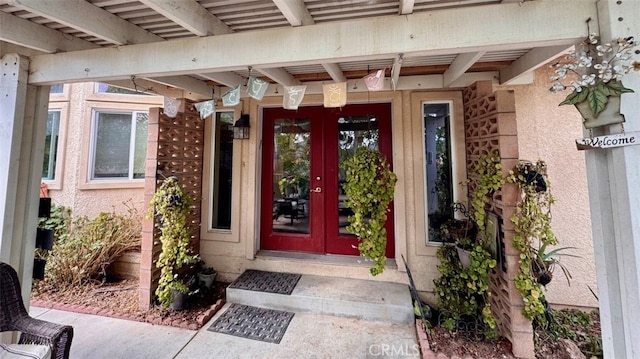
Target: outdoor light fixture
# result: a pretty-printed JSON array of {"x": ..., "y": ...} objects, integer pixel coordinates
[{"x": 241, "y": 128}]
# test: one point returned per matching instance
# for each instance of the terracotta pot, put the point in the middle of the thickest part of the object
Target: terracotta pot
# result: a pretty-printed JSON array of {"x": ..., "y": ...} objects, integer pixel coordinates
[{"x": 609, "y": 116}]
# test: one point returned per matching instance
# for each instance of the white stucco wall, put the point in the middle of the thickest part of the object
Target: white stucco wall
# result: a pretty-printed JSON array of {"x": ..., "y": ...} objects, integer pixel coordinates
[{"x": 547, "y": 131}]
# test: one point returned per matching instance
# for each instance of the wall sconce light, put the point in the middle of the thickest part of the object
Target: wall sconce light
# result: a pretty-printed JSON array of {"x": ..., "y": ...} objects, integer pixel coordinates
[{"x": 241, "y": 128}]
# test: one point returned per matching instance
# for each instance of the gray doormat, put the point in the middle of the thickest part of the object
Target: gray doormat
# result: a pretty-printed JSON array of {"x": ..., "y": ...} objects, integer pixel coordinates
[
  {"x": 270, "y": 282},
  {"x": 243, "y": 321}
]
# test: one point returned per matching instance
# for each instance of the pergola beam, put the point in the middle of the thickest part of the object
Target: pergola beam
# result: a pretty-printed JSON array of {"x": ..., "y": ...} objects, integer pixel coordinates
[
  {"x": 452, "y": 32},
  {"x": 406, "y": 7},
  {"x": 295, "y": 11},
  {"x": 190, "y": 15},
  {"x": 229, "y": 79},
  {"x": 94, "y": 20},
  {"x": 335, "y": 72},
  {"x": 460, "y": 65},
  {"x": 531, "y": 61},
  {"x": 38, "y": 37},
  {"x": 280, "y": 76}
]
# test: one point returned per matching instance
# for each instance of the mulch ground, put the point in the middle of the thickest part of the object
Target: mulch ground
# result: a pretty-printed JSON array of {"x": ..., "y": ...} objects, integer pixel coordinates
[{"x": 120, "y": 300}]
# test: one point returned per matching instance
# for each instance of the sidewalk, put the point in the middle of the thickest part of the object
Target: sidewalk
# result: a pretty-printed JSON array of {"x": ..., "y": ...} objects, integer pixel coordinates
[{"x": 308, "y": 336}]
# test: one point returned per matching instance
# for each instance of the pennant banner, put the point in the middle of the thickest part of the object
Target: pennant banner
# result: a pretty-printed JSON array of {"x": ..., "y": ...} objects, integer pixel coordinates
[
  {"x": 171, "y": 106},
  {"x": 375, "y": 80},
  {"x": 293, "y": 96},
  {"x": 231, "y": 97},
  {"x": 205, "y": 108},
  {"x": 335, "y": 94},
  {"x": 256, "y": 87}
]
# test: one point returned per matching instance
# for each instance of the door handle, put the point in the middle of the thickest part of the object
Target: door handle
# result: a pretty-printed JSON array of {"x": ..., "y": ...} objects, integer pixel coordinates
[{"x": 317, "y": 190}]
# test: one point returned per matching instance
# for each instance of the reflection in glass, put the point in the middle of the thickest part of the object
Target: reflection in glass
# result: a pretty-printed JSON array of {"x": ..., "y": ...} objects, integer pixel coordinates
[
  {"x": 291, "y": 171},
  {"x": 439, "y": 187},
  {"x": 222, "y": 162},
  {"x": 353, "y": 133}
]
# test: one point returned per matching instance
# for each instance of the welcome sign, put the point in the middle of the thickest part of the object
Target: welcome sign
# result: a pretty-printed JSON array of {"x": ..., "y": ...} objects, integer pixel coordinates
[{"x": 609, "y": 141}]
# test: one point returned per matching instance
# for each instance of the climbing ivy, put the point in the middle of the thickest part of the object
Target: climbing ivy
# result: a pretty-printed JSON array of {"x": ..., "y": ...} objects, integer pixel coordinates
[
  {"x": 170, "y": 207},
  {"x": 487, "y": 176},
  {"x": 369, "y": 188},
  {"x": 532, "y": 223}
]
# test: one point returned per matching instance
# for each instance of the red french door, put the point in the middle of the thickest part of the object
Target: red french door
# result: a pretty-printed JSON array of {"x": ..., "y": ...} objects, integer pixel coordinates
[{"x": 303, "y": 205}]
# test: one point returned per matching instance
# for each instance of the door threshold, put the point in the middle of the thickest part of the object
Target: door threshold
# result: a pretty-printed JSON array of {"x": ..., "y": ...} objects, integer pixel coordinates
[{"x": 339, "y": 259}]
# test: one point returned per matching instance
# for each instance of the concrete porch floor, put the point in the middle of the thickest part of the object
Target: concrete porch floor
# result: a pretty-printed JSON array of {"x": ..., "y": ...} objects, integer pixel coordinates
[{"x": 308, "y": 336}]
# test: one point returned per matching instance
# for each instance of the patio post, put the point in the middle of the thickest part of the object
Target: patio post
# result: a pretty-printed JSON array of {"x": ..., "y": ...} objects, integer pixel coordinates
[{"x": 613, "y": 179}]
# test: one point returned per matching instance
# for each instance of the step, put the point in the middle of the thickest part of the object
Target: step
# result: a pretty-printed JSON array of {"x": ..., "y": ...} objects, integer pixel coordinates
[{"x": 356, "y": 298}]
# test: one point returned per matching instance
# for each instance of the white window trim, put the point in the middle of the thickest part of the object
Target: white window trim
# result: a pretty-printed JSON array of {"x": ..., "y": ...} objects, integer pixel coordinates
[{"x": 58, "y": 175}]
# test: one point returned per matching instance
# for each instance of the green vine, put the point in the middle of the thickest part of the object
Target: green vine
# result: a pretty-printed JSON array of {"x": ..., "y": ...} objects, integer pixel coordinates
[
  {"x": 532, "y": 222},
  {"x": 369, "y": 188},
  {"x": 465, "y": 291},
  {"x": 170, "y": 207},
  {"x": 487, "y": 175}
]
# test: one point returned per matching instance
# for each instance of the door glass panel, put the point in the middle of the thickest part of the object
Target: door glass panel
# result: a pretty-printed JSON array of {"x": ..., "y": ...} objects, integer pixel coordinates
[
  {"x": 353, "y": 132},
  {"x": 291, "y": 154}
]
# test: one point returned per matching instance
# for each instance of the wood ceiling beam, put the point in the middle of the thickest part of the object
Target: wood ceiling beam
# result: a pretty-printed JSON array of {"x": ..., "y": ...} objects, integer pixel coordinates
[
  {"x": 38, "y": 37},
  {"x": 86, "y": 17},
  {"x": 229, "y": 79},
  {"x": 406, "y": 7},
  {"x": 453, "y": 31},
  {"x": 190, "y": 15},
  {"x": 295, "y": 11},
  {"x": 531, "y": 61},
  {"x": 335, "y": 72},
  {"x": 280, "y": 76},
  {"x": 460, "y": 65}
]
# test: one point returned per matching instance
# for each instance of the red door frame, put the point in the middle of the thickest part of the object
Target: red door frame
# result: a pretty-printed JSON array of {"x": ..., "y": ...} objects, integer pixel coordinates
[{"x": 324, "y": 229}]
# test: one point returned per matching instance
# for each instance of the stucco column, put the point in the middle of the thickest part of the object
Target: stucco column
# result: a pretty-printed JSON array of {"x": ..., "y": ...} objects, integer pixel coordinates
[
  {"x": 22, "y": 132},
  {"x": 614, "y": 195}
]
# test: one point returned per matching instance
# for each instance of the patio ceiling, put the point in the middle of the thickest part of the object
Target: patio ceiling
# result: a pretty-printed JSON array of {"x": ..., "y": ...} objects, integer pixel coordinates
[{"x": 168, "y": 26}]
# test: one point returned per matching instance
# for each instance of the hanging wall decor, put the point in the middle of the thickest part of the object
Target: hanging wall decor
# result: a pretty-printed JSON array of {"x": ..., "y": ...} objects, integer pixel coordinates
[
  {"x": 231, "y": 97},
  {"x": 171, "y": 106},
  {"x": 375, "y": 80},
  {"x": 335, "y": 94},
  {"x": 256, "y": 87},
  {"x": 205, "y": 108},
  {"x": 293, "y": 96}
]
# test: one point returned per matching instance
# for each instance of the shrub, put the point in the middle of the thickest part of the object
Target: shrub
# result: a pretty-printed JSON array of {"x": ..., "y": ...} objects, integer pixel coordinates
[{"x": 90, "y": 246}]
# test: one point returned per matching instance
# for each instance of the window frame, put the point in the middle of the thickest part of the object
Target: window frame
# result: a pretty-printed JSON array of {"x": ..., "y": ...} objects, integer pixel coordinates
[
  {"x": 56, "y": 182},
  {"x": 458, "y": 160},
  {"x": 132, "y": 145}
]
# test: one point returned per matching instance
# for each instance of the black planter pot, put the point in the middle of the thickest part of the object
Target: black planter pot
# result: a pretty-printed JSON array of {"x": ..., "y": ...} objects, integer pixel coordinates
[
  {"x": 38, "y": 268},
  {"x": 44, "y": 209},
  {"x": 44, "y": 238},
  {"x": 537, "y": 179},
  {"x": 179, "y": 300}
]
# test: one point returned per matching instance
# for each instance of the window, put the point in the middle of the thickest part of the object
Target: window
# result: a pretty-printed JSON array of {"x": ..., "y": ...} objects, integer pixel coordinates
[
  {"x": 438, "y": 166},
  {"x": 119, "y": 145},
  {"x": 51, "y": 145},
  {"x": 106, "y": 88},
  {"x": 57, "y": 88},
  {"x": 222, "y": 167}
]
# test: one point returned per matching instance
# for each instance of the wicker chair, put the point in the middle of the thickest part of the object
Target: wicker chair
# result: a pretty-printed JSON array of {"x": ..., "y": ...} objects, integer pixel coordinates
[{"x": 14, "y": 317}]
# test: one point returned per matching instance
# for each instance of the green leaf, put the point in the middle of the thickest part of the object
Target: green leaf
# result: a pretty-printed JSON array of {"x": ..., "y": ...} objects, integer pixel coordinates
[
  {"x": 597, "y": 99},
  {"x": 615, "y": 88},
  {"x": 575, "y": 97}
]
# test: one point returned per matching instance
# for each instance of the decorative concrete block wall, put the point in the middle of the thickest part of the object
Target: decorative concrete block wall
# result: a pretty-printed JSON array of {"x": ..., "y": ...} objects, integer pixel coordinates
[
  {"x": 175, "y": 147},
  {"x": 490, "y": 125}
]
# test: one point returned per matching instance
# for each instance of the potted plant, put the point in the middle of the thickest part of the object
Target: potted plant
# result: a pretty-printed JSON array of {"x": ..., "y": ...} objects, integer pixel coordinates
[
  {"x": 544, "y": 263},
  {"x": 595, "y": 72},
  {"x": 369, "y": 188},
  {"x": 206, "y": 275},
  {"x": 170, "y": 206}
]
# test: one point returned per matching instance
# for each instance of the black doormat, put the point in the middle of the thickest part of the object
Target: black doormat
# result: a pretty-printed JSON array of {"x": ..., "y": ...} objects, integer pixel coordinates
[
  {"x": 270, "y": 282},
  {"x": 243, "y": 321}
]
